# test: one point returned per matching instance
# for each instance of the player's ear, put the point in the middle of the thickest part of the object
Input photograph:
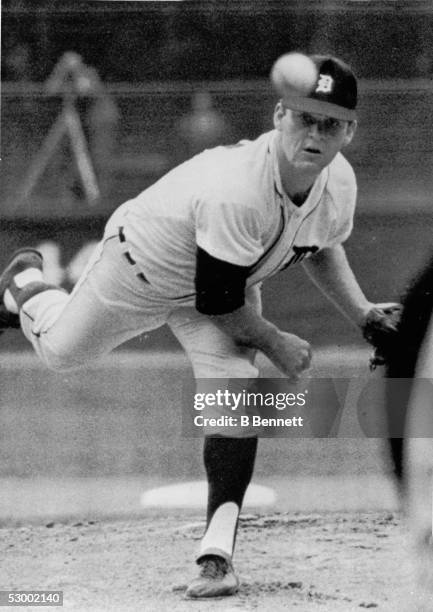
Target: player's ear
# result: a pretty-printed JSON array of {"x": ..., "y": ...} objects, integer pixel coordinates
[
  {"x": 278, "y": 115},
  {"x": 350, "y": 132}
]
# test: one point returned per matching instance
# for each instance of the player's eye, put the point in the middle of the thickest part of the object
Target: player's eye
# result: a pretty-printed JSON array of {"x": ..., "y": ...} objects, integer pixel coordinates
[
  {"x": 331, "y": 125},
  {"x": 307, "y": 120},
  {"x": 328, "y": 125}
]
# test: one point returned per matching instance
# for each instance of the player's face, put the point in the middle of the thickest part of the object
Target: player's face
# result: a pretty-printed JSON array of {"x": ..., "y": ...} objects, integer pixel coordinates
[{"x": 310, "y": 141}]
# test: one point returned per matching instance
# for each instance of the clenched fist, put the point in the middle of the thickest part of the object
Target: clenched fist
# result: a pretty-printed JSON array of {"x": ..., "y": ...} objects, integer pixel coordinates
[{"x": 289, "y": 353}]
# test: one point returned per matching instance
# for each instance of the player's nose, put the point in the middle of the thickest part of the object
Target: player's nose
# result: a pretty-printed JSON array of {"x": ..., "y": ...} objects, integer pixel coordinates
[{"x": 315, "y": 131}]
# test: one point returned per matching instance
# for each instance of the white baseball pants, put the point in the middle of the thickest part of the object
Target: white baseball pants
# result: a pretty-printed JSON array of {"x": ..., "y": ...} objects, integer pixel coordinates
[{"x": 111, "y": 304}]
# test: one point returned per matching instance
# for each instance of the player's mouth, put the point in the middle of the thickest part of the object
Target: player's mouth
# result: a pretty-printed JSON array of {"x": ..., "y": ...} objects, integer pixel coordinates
[{"x": 312, "y": 151}]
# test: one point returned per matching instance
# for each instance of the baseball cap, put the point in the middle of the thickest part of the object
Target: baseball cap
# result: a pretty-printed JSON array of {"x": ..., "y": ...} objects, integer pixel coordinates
[{"x": 333, "y": 93}]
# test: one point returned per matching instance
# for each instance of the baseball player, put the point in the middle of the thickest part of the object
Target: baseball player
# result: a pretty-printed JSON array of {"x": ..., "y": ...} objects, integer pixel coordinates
[{"x": 193, "y": 250}]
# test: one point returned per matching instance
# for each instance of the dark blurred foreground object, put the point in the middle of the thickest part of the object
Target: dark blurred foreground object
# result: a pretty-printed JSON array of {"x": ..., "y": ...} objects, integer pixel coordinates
[{"x": 402, "y": 361}]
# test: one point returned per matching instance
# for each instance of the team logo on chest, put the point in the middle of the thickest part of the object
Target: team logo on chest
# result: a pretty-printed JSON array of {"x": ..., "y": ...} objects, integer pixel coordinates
[
  {"x": 325, "y": 84},
  {"x": 299, "y": 253}
]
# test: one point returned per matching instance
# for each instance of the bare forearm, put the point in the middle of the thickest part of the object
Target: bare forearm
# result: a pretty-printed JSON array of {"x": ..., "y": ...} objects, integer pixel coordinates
[
  {"x": 248, "y": 328},
  {"x": 289, "y": 353},
  {"x": 331, "y": 272}
]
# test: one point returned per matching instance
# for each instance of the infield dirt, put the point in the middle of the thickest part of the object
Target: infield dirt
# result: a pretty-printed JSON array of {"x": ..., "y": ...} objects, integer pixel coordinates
[{"x": 286, "y": 561}]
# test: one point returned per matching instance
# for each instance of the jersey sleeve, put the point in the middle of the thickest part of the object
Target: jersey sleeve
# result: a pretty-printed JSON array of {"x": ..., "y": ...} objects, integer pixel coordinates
[
  {"x": 229, "y": 232},
  {"x": 220, "y": 286}
]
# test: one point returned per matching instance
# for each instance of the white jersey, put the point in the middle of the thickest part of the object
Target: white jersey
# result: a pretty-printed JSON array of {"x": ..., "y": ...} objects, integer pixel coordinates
[{"x": 229, "y": 201}]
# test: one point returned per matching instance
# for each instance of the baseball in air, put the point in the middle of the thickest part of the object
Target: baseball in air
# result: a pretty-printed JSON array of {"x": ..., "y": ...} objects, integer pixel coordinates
[{"x": 294, "y": 73}]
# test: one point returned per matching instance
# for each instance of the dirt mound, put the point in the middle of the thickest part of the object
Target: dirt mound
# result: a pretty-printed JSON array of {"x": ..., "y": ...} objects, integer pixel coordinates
[{"x": 305, "y": 562}]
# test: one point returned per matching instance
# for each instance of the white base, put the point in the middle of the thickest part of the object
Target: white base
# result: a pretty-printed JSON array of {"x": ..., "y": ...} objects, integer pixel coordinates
[{"x": 194, "y": 495}]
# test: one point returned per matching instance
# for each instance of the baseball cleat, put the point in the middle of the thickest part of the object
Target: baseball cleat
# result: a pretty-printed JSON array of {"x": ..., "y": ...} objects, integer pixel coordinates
[
  {"x": 21, "y": 279},
  {"x": 216, "y": 579}
]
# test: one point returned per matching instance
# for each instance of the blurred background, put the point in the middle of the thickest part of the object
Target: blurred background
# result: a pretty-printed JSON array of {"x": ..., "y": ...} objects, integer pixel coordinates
[
  {"x": 153, "y": 83},
  {"x": 99, "y": 99}
]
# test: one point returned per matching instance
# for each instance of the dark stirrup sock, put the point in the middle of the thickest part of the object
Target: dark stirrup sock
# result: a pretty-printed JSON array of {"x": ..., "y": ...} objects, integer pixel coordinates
[{"x": 229, "y": 464}]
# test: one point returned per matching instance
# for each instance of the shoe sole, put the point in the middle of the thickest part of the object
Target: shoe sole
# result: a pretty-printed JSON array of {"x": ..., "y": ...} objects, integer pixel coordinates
[
  {"x": 229, "y": 593},
  {"x": 207, "y": 597}
]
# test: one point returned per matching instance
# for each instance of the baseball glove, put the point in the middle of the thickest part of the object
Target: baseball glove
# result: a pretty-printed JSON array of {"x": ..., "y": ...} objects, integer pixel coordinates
[{"x": 380, "y": 330}]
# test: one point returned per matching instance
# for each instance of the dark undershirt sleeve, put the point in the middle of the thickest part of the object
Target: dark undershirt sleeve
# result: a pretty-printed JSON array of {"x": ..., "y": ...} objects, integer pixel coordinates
[{"x": 220, "y": 285}]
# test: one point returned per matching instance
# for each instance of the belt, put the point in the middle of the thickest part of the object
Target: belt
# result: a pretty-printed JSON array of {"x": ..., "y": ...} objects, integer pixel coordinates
[{"x": 129, "y": 257}]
